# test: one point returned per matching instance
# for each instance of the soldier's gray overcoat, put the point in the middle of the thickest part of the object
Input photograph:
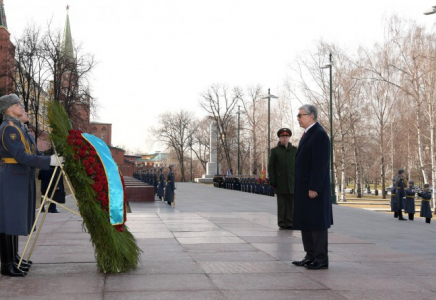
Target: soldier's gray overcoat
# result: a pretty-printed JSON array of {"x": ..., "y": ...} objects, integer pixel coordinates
[
  {"x": 161, "y": 186},
  {"x": 170, "y": 187},
  {"x": 425, "y": 205},
  {"x": 410, "y": 201},
  {"x": 16, "y": 217}
]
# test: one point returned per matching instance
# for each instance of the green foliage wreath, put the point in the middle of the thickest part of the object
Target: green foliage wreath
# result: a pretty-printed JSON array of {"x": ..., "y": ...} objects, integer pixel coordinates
[{"x": 115, "y": 250}]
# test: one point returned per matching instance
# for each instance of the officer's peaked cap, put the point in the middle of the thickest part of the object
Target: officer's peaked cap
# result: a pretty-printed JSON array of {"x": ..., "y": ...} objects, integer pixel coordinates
[
  {"x": 411, "y": 182},
  {"x": 284, "y": 132}
]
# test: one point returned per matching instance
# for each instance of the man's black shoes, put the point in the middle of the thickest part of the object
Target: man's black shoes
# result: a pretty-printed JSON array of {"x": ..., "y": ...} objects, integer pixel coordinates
[
  {"x": 316, "y": 266},
  {"x": 302, "y": 263},
  {"x": 285, "y": 227}
]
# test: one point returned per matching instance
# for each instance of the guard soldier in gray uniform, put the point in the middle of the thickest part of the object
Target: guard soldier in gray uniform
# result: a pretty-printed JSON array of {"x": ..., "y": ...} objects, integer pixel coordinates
[
  {"x": 400, "y": 196},
  {"x": 171, "y": 186},
  {"x": 410, "y": 200},
  {"x": 155, "y": 181},
  {"x": 281, "y": 170},
  {"x": 161, "y": 186},
  {"x": 425, "y": 203},
  {"x": 18, "y": 157}
]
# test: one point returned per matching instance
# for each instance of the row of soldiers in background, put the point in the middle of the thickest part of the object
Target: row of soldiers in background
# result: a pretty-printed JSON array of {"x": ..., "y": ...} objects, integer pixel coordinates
[
  {"x": 156, "y": 178},
  {"x": 253, "y": 184},
  {"x": 403, "y": 198}
]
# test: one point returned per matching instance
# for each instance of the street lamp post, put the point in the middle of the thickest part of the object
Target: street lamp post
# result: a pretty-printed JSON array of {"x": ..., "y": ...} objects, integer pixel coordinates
[
  {"x": 190, "y": 145},
  {"x": 239, "y": 127},
  {"x": 332, "y": 177},
  {"x": 269, "y": 130}
]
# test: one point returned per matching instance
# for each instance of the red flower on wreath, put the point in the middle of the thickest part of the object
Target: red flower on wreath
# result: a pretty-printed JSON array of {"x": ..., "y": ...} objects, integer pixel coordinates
[
  {"x": 90, "y": 171},
  {"x": 82, "y": 153},
  {"x": 85, "y": 153},
  {"x": 78, "y": 142}
]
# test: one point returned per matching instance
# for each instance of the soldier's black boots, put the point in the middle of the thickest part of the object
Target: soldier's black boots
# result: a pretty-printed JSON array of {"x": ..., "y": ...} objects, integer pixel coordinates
[
  {"x": 395, "y": 215},
  {"x": 25, "y": 265},
  {"x": 18, "y": 257},
  {"x": 8, "y": 266},
  {"x": 427, "y": 220},
  {"x": 400, "y": 216},
  {"x": 411, "y": 216}
]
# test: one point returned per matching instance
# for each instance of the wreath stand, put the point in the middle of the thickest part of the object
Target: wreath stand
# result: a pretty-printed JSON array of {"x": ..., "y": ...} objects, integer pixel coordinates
[{"x": 49, "y": 200}]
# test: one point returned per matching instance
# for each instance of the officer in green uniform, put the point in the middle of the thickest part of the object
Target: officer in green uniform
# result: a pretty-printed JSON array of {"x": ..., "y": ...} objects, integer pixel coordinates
[{"x": 281, "y": 170}]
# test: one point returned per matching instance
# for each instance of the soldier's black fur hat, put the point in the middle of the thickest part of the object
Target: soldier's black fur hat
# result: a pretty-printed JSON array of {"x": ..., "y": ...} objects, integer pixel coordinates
[
  {"x": 284, "y": 132},
  {"x": 400, "y": 171},
  {"x": 7, "y": 101}
]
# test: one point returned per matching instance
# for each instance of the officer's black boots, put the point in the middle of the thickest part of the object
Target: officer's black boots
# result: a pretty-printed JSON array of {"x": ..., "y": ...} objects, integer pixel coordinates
[
  {"x": 411, "y": 217},
  {"x": 25, "y": 265},
  {"x": 400, "y": 216},
  {"x": 8, "y": 266}
]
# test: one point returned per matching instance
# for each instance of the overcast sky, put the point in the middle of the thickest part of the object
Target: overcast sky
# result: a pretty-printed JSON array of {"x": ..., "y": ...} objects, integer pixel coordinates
[{"x": 157, "y": 56}]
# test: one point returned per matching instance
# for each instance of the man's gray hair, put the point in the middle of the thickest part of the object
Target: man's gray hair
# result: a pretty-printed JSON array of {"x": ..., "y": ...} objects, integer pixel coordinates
[{"x": 310, "y": 110}]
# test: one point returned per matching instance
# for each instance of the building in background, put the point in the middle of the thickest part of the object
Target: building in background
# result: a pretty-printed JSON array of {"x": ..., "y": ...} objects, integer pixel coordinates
[
  {"x": 102, "y": 131},
  {"x": 7, "y": 56}
]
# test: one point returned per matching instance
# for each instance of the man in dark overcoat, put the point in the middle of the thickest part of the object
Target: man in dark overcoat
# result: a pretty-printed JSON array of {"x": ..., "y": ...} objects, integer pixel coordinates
[
  {"x": 281, "y": 172},
  {"x": 18, "y": 157},
  {"x": 312, "y": 204}
]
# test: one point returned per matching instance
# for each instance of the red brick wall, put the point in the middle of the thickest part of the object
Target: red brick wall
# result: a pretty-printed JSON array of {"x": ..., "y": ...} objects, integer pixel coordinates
[
  {"x": 102, "y": 131},
  {"x": 126, "y": 170},
  {"x": 118, "y": 156},
  {"x": 7, "y": 53}
]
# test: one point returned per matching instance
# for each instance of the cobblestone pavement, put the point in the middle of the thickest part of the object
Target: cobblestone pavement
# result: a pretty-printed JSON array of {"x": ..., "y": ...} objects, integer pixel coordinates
[{"x": 221, "y": 244}]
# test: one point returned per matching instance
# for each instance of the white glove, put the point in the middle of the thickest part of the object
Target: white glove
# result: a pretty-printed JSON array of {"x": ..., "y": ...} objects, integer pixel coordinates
[{"x": 54, "y": 162}]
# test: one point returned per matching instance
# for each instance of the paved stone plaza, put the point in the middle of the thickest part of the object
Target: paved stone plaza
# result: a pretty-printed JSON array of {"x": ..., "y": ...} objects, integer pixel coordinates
[{"x": 222, "y": 244}]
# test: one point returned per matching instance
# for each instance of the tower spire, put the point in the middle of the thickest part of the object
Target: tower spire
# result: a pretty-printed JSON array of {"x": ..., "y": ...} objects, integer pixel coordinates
[
  {"x": 3, "y": 15},
  {"x": 67, "y": 40}
]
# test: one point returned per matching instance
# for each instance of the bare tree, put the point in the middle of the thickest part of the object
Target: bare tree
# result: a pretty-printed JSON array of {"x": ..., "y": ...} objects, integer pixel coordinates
[
  {"x": 70, "y": 84},
  {"x": 175, "y": 132},
  {"x": 201, "y": 141},
  {"x": 254, "y": 113},
  {"x": 220, "y": 104},
  {"x": 31, "y": 74}
]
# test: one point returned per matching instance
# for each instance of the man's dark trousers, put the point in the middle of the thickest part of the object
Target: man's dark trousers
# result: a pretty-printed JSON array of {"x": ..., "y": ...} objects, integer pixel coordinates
[
  {"x": 315, "y": 244},
  {"x": 285, "y": 209}
]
